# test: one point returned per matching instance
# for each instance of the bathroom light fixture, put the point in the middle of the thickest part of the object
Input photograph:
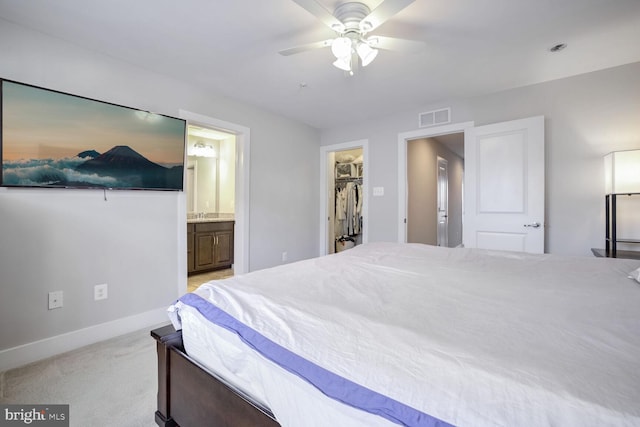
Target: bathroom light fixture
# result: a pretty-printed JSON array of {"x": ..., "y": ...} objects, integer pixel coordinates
[{"x": 200, "y": 149}]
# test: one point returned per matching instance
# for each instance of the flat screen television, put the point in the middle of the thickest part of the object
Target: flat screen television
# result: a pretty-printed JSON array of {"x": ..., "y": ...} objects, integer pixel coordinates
[{"x": 55, "y": 139}]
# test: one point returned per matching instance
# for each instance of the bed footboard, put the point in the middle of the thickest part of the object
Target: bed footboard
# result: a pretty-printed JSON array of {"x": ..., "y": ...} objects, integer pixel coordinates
[{"x": 190, "y": 395}]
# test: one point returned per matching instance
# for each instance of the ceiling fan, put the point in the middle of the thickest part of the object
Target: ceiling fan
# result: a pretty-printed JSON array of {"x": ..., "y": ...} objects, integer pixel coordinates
[{"x": 353, "y": 22}]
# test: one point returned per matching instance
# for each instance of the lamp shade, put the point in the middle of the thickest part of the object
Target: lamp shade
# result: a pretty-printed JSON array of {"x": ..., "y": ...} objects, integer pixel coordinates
[
  {"x": 341, "y": 47},
  {"x": 343, "y": 63},
  {"x": 366, "y": 53},
  {"x": 622, "y": 172}
]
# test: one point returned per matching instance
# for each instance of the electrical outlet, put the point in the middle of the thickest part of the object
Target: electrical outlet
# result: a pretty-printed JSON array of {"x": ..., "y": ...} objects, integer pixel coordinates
[
  {"x": 284, "y": 256},
  {"x": 55, "y": 299},
  {"x": 378, "y": 191},
  {"x": 100, "y": 292}
]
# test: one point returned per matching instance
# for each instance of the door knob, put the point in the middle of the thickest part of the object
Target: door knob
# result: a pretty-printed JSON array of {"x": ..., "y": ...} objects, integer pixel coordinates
[{"x": 534, "y": 225}]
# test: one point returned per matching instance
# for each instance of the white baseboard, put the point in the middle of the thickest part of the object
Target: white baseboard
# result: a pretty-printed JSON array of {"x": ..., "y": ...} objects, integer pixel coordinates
[{"x": 42, "y": 349}]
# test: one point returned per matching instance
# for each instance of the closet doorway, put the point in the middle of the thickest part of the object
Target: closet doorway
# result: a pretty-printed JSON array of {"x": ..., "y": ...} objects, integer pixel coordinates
[{"x": 344, "y": 201}]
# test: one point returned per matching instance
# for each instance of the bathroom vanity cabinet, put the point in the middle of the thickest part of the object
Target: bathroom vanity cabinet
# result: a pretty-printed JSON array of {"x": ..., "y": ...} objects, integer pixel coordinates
[{"x": 209, "y": 245}]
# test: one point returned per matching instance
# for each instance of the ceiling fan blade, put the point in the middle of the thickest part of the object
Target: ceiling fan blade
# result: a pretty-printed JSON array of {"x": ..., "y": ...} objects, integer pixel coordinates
[
  {"x": 395, "y": 44},
  {"x": 306, "y": 47},
  {"x": 319, "y": 11},
  {"x": 382, "y": 13}
]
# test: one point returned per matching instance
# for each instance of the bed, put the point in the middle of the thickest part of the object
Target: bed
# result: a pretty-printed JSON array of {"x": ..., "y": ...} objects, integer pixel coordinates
[{"x": 391, "y": 334}]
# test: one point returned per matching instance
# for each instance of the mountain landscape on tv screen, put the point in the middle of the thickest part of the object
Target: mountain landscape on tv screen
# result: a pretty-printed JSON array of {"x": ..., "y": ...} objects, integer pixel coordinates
[{"x": 121, "y": 167}]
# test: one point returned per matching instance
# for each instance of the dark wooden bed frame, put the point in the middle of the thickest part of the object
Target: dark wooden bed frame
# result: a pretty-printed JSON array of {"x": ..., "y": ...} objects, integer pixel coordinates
[{"x": 189, "y": 395}]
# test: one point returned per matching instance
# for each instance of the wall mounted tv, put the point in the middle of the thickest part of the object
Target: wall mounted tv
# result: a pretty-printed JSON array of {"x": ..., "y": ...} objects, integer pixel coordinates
[{"x": 58, "y": 140}]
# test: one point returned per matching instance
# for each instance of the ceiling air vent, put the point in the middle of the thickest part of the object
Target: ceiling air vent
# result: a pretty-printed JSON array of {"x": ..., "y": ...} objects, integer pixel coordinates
[{"x": 435, "y": 117}]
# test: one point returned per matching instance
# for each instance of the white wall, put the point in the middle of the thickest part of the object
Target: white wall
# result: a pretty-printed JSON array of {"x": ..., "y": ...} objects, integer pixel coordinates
[
  {"x": 586, "y": 117},
  {"x": 71, "y": 240}
]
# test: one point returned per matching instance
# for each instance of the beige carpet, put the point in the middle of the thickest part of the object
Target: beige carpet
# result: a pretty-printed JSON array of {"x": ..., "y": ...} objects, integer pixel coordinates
[{"x": 110, "y": 383}]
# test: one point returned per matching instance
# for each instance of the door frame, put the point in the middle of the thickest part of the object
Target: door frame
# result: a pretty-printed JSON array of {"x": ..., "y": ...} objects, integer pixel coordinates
[
  {"x": 192, "y": 165},
  {"x": 403, "y": 140},
  {"x": 324, "y": 188},
  {"x": 242, "y": 196}
]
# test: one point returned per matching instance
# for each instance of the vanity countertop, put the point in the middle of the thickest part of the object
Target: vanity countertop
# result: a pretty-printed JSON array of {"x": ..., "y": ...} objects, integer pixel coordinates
[{"x": 200, "y": 220}]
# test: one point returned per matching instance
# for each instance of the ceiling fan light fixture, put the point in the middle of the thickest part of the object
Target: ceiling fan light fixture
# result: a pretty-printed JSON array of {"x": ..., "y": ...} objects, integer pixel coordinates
[
  {"x": 341, "y": 47},
  {"x": 366, "y": 26},
  {"x": 352, "y": 21},
  {"x": 343, "y": 63},
  {"x": 372, "y": 41},
  {"x": 366, "y": 53}
]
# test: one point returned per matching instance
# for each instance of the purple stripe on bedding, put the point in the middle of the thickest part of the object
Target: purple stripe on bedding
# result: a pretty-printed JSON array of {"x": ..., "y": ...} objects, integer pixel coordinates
[{"x": 332, "y": 385}]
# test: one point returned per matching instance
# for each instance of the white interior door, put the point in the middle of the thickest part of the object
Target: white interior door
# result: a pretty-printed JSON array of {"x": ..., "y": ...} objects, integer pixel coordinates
[
  {"x": 443, "y": 202},
  {"x": 504, "y": 185}
]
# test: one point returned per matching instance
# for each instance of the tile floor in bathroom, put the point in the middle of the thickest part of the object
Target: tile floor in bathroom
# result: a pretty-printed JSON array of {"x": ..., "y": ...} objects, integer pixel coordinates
[{"x": 196, "y": 280}]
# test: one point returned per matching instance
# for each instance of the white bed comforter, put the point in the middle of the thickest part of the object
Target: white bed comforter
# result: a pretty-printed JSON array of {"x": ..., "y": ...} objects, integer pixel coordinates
[{"x": 471, "y": 337}]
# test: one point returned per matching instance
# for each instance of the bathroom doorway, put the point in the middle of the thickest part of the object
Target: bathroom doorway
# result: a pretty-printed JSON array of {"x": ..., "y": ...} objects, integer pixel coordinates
[{"x": 210, "y": 188}]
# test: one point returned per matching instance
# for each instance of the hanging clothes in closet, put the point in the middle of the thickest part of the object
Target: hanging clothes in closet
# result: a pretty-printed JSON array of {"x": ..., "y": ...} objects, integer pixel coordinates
[{"x": 349, "y": 208}]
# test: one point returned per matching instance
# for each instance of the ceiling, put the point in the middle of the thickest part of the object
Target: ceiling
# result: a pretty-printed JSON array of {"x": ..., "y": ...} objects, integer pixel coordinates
[{"x": 230, "y": 47}]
